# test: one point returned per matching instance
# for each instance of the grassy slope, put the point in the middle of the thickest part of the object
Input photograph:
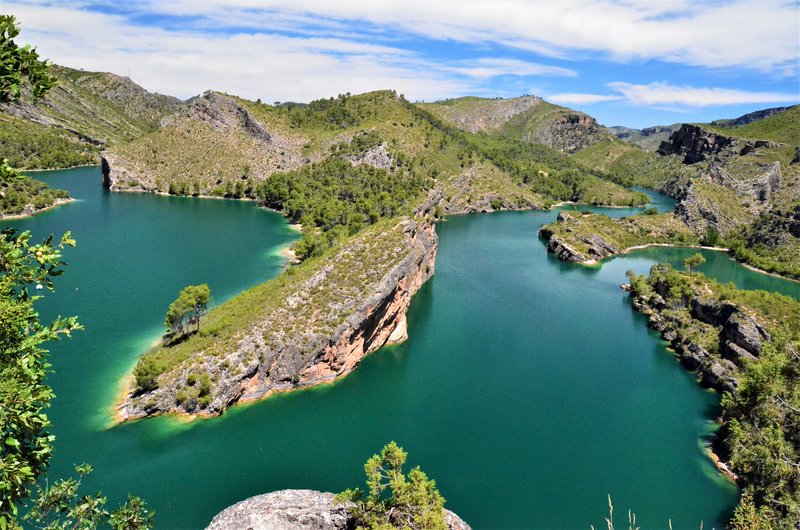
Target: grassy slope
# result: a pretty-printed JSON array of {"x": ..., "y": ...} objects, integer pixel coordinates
[
  {"x": 783, "y": 127},
  {"x": 459, "y": 161},
  {"x": 351, "y": 269},
  {"x": 84, "y": 110},
  {"x": 31, "y": 145}
]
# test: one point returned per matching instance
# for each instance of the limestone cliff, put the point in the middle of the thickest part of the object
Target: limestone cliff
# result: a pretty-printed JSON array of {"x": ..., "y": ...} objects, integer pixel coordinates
[
  {"x": 296, "y": 510},
  {"x": 308, "y": 329}
]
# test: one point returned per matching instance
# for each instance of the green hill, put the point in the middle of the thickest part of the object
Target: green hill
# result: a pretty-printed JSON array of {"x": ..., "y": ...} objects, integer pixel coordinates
[
  {"x": 528, "y": 119},
  {"x": 85, "y": 112},
  {"x": 224, "y": 146}
]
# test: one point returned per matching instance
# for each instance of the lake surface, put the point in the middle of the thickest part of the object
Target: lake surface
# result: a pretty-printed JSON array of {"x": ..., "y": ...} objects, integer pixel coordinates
[{"x": 529, "y": 388}]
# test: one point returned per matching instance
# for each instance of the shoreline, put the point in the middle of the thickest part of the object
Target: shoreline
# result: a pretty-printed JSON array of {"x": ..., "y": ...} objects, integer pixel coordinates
[
  {"x": 594, "y": 262},
  {"x": 23, "y": 171},
  {"x": 56, "y": 204}
]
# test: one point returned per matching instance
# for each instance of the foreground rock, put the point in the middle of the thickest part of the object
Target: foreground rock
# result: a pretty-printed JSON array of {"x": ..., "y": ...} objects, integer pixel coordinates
[
  {"x": 296, "y": 510},
  {"x": 299, "y": 330}
]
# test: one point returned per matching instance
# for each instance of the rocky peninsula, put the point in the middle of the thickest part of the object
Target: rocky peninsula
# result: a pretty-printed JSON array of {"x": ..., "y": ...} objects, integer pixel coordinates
[{"x": 306, "y": 327}]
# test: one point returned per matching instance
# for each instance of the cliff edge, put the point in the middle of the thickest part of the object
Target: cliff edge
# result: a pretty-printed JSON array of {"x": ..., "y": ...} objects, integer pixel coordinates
[{"x": 309, "y": 326}]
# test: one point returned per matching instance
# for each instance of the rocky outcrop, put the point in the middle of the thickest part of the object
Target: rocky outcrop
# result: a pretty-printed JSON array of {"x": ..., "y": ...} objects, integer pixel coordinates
[
  {"x": 570, "y": 133},
  {"x": 224, "y": 114},
  {"x": 716, "y": 349},
  {"x": 377, "y": 156},
  {"x": 696, "y": 144},
  {"x": 776, "y": 228},
  {"x": 597, "y": 248},
  {"x": 330, "y": 337},
  {"x": 296, "y": 510},
  {"x": 105, "y": 172},
  {"x": 488, "y": 114}
]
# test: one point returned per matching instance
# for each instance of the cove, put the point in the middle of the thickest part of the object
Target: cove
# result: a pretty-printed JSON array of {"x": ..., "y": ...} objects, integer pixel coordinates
[{"x": 529, "y": 388}]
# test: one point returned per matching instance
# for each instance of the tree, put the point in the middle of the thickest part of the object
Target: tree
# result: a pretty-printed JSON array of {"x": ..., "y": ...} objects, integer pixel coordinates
[
  {"x": 60, "y": 506},
  {"x": 187, "y": 309},
  {"x": 693, "y": 261},
  {"x": 711, "y": 238},
  {"x": 395, "y": 500},
  {"x": 20, "y": 66},
  {"x": 24, "y": 395},
  {"x": 26, "y": 445}
]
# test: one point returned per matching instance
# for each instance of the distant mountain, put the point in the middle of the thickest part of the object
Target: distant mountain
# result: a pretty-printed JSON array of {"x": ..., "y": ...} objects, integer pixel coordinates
[
  {"x": 750, "y": 117},
  {"x": 648, "y": 138}
]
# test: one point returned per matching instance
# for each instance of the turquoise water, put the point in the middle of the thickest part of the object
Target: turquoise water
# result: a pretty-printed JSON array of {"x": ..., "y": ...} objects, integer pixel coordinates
[{"x": 529, "y": 388}]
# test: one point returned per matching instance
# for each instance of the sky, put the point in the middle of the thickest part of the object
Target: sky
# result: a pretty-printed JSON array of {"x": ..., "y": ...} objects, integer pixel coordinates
[{"x": 626, "y": 62}]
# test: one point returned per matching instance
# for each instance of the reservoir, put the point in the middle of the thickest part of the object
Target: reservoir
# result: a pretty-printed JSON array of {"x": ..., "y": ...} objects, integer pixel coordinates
[{"x": 529, "y": 389}]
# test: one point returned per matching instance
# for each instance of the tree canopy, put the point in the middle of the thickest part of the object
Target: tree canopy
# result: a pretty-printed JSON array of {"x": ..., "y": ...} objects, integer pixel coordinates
[
  {"x": 20, "y": 66},
  {"x": 693, "y": 261},
  {"x": 187, "y": 309},
  {"x": 394, "y": 499}
]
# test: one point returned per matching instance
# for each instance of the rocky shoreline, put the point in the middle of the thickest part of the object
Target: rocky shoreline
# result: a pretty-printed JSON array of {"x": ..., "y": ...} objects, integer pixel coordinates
[
  {"x": 267, "y": 360},
  {"x": 718, "y": 340}
]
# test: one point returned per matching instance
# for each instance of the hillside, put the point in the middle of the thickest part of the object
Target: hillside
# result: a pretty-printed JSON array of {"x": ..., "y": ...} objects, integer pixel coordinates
[
  {"x": 224, "y": 146},
  {"x": 84, "y": 113},
  {"x": 738, "y": 186},
  {"x": 743, "y": 343},
  {"x": 364, "y": 175},
  {"x": 527, "y": 119}
]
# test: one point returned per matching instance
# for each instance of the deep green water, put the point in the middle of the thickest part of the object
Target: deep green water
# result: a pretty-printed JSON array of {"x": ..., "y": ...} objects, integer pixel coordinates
[{"x": 529, "y": 388}]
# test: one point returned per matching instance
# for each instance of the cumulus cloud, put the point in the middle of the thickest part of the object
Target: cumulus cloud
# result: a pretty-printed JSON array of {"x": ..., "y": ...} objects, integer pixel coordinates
[
  {"x": 757, "y": 34},
  {"x": 663, "y": 94},
  {"x": 256, "y": 64},
  {"x": 582, "y": 99}
]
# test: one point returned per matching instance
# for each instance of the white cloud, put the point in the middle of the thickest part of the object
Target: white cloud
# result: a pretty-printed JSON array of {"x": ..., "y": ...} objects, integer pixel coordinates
[
  {"x": 582, "y": 99},
  {"x": 492, "y": 67},
  {"x": 271, "y": 66},
  {"x": 676, "y": 97},
  {"x": 758, "y": 34},
  {"x": 660, "y": 94}
]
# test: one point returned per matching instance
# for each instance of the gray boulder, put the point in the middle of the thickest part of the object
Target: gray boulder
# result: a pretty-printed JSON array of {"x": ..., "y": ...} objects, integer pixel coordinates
[{"x": 296, "y": 510}]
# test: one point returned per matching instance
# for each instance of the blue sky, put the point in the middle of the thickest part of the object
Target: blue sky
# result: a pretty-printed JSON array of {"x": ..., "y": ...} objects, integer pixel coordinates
[{"x": 626, "y": 62}]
